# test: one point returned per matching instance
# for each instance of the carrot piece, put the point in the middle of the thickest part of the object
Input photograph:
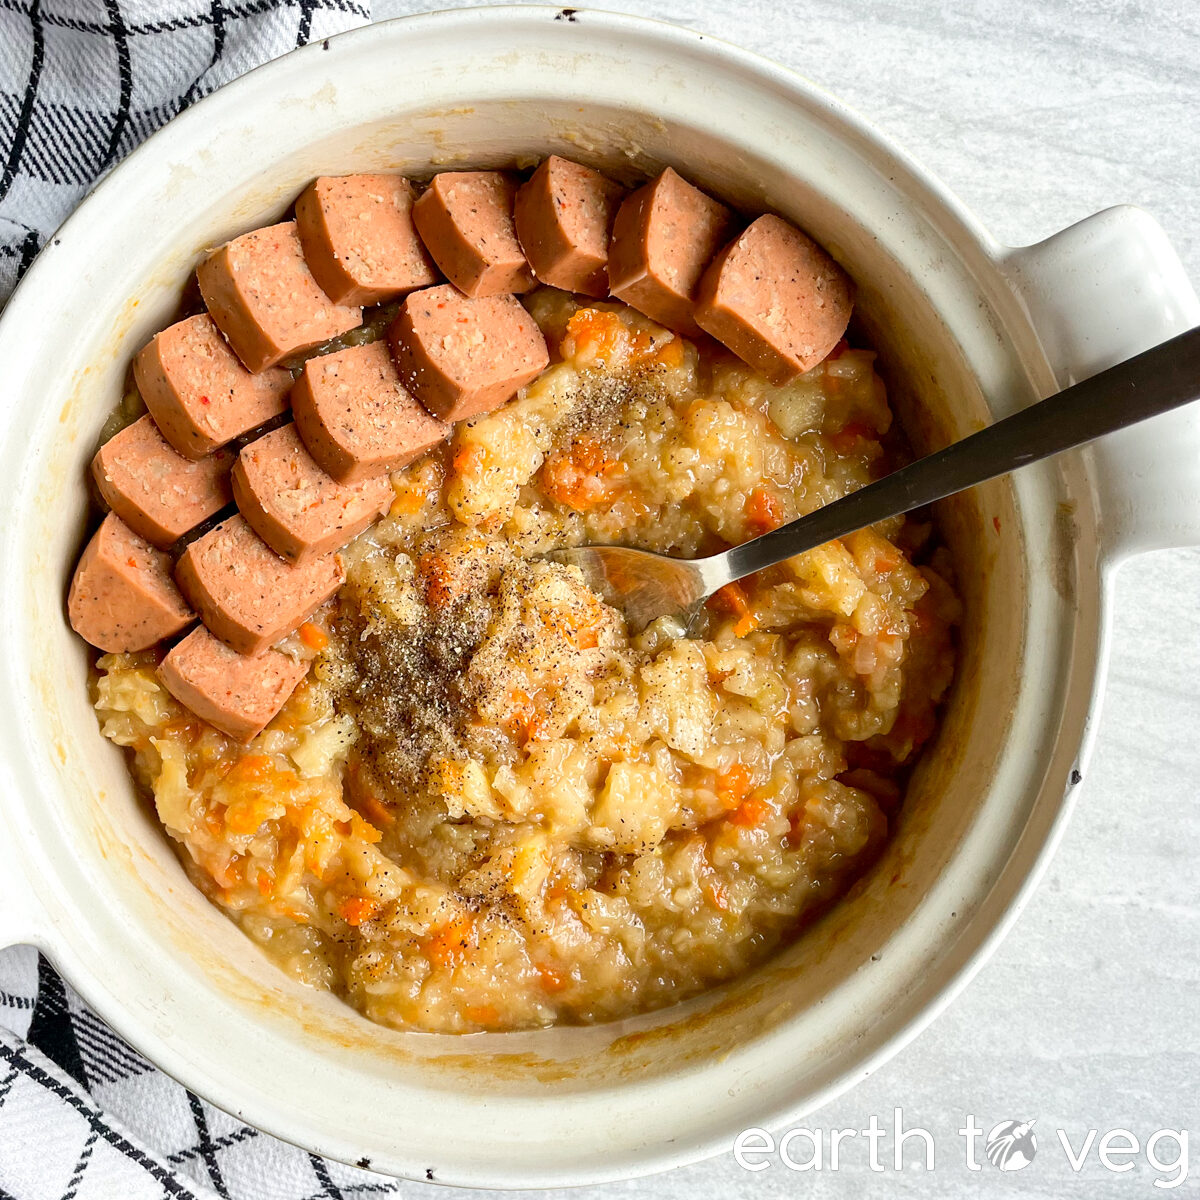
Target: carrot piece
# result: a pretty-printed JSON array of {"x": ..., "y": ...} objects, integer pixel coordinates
[
  {"x": 450, "y": 944},
  {"x": 471, "y": 460},
  {"x": 246, "y": 816},
  {"x": 670, "y": 353},
  {"x": 313, "y": 636},
  {"x": 364, "y": 830},
  {"x": 733, "y": 785},
  {"x": 482, "y": 1014},
  {"x": 587, "y": 635},
  {"x": 732, "y": 599},
  {"x": 526, "y": 716},
  {"x": 354, "y": 910},
  {"x": 584, "y": 477},
  {"x": 746, "y": 624},
  {"x": 441, "y": 584},
  {"x": 550, "y": 978},
  {"x": 251, "y": 766},
  {"x": 843, "y": 638},
  {"x": 886, "y": 562},
  {"x": 407, "y": 503},
  {"x": 225, "y": 875},
  {"x": 589, "y": 455},
  {"x": 376, "y": 810},
  {"x": 764, "y": 511},
  {"x": 750, "y": 812},
  {"x": 596, "y": 332}
]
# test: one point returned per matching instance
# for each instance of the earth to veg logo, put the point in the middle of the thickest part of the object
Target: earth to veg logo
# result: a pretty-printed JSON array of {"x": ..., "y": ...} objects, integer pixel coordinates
[
  {"x": 1011, "y": 1145},
  {"x": 1159, "y": 1155}
]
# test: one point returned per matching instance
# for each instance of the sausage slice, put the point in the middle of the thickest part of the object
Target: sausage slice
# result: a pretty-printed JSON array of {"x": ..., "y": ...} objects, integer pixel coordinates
[
  {"x": 357, "y": 418},
  {"x": 359, "y": 239},
  {"x": 465, "y": 219},
  {"x": 461, "y": 356},
  {"x": 664, "y": 236},
  {"x": 245, "y": 593},
  {"x": 265, "y": 300},
  {"x": 298, "y": 510},
  {"x": 158, "y": 493},
  {"x": 564, "y": 215},
  {"x": 238, "y": 693},
  {"x": 776, "y": 299},
  {"x": 122, "y": 596},
  {"x": 198, "y": 393}
]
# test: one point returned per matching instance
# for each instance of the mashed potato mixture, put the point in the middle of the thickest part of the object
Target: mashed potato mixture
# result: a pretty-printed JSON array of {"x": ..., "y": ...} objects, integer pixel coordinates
[{"x": 489, "y": 807}]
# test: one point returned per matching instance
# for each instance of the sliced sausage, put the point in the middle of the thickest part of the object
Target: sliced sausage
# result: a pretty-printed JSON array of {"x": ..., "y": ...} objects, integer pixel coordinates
[
  {"x": 461, "y": 356},
  {"x": 157, "y": 492},
  {"x": 122, "y": 596},
  {"x": 359, "y": 239},
  {"x": 199, "y": 394},
  {"x": 265, "y": 300},
  {"x": 664, "y": 236},
  {"x": 776, "y": 299},
  {"x": 245, "y": 593},
  {"x": 564, "y": 216},
  {"x": 465, "y": 219},
  {"x": 357, "y": 418},
  {"x": 294, "y": 506},
  {"x": 238, "y": 693}
]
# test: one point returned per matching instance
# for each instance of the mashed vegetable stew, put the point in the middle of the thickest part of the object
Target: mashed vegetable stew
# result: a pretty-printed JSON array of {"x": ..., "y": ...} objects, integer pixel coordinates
[{"x": 486, "y": 806}]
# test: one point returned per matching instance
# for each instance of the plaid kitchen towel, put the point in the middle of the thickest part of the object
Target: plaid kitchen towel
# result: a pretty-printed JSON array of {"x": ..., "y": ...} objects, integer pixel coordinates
[
  {"x": 82, "y": 82},
  {"x": 82, "y": 1115},
  {"x": 85, "y": 1117}
]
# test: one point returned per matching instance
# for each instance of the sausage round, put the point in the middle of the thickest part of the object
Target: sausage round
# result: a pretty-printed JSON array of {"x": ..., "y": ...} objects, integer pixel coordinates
[
  {"x": 122, "y": 596},
  {"x": 238, "y": 693},
  {"x": 357, "y": 418},
  {"x": 663, "y": 237},
  {"x": 199, "y": 394},
  {"x": 564, "y": 215},
  {"x": 465, "y": 219},
  {"x": 461, "y": 356},
  {"x": 245, "y": 593},
  {"x": 265, "y": 300},
  {"x": 294, "y": 506},
  {"x": 359, "y": 239},
  {"x": 157, "y": 492},
  {"x": 776, "y": 299}
]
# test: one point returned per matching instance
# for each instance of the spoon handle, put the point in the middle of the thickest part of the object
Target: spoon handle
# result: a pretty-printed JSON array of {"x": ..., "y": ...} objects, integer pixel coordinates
[{"x": 1153, "y": 382}]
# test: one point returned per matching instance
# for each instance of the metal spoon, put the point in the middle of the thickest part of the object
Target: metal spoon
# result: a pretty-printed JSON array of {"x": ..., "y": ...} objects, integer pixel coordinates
[{"x": 645, "y": 586}]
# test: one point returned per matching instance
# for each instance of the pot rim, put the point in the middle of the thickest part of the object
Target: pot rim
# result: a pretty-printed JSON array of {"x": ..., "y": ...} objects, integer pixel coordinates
[{"x": 987, "y": 253}]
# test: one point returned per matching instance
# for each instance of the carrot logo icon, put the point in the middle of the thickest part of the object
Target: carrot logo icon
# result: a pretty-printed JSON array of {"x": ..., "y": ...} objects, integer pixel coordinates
[{"x": 1011, "y": 1145}]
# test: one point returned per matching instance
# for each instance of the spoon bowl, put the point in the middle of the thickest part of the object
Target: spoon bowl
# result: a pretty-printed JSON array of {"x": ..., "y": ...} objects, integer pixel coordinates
[{"x": 645, "y": 586}]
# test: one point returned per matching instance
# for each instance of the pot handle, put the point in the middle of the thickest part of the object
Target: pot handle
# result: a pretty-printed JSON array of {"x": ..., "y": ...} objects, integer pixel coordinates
[{"x": 1099, "y": 293}]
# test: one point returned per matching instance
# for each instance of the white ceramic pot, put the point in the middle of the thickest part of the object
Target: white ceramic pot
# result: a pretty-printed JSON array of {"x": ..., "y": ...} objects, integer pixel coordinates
[{"x": 967, "y": 330}]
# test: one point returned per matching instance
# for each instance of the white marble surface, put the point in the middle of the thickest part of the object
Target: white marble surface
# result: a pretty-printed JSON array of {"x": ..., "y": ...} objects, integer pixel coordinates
[{"x": 1038, "y": 112}]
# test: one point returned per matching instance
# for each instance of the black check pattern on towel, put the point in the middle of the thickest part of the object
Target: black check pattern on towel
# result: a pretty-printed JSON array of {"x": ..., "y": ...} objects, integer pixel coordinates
[
  {"x": 82, "y": 82},
  {"x": 82, "y": 1115},
  {"x": 85, "y": 1117}
]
